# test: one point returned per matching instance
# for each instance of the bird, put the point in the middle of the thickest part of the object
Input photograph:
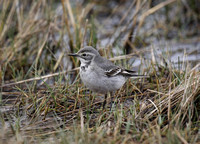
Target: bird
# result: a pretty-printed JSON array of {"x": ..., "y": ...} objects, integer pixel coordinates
[{"x": 99, "y": 74}]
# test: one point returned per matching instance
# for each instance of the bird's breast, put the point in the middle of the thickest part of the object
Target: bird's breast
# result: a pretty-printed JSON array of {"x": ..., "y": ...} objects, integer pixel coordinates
[
  {"x": 97, "y": 81},
  {"x": 83, "y": 68}
]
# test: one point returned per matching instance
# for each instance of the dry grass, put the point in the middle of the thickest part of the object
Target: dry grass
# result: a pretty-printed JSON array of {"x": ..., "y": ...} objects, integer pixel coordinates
[{"x": 43, "y": 99}]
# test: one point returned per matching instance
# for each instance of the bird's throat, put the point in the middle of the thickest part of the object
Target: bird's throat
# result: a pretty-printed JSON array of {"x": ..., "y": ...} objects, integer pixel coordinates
[{"x": 85, "y": 65}]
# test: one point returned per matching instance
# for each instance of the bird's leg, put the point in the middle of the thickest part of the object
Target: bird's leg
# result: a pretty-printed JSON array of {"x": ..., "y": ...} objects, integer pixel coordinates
[
  {"x": 111, "y": 94},
  {"x": 105, "y": 100}
]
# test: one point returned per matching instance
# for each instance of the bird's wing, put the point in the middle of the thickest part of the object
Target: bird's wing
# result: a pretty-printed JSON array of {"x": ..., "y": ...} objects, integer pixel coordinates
[
  {"x": 107, "y": 66},
  {"x": 113, "y": 70}
]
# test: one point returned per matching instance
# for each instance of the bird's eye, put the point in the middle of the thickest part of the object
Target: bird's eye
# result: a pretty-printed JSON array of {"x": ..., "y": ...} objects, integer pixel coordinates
[{"x": 84, "y": 54}]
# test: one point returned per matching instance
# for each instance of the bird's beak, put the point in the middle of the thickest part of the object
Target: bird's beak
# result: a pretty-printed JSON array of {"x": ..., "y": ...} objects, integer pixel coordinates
[{"x": 73, "y": 54}]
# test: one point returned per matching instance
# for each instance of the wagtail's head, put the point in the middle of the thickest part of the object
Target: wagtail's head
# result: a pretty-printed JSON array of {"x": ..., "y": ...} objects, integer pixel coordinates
[{"x": 86, "y": 54}]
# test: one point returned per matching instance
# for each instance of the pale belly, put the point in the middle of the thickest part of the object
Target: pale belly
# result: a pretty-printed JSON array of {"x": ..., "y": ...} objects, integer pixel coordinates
[{"x": 98, "y": 82}]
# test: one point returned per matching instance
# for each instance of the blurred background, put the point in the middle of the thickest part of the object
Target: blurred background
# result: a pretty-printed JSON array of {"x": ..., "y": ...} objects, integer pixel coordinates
[{"x": 35, "y": 36}]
